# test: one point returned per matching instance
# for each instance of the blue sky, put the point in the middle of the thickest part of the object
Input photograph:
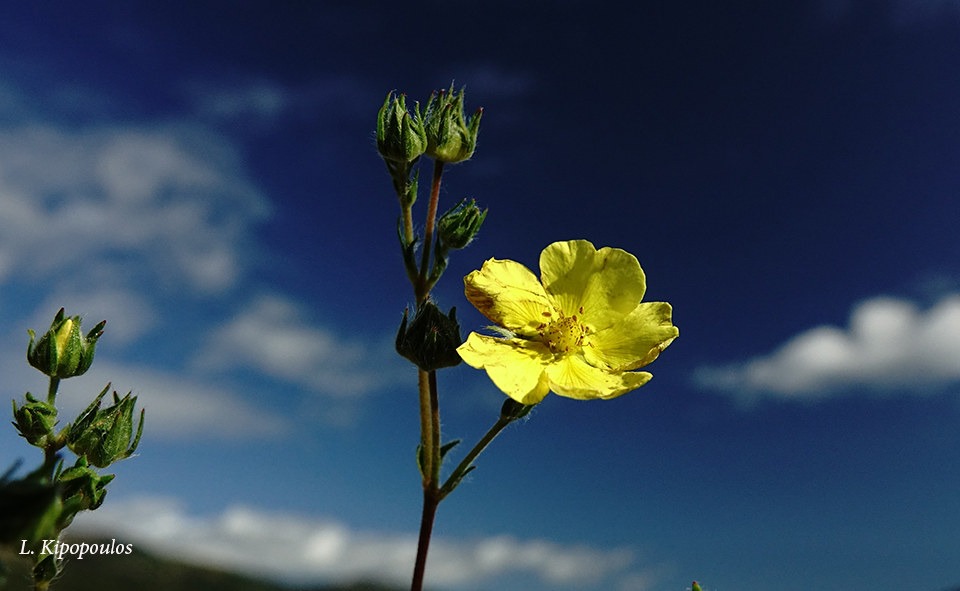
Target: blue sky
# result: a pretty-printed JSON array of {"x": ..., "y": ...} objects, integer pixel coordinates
[{"x": 204, "y": 176}]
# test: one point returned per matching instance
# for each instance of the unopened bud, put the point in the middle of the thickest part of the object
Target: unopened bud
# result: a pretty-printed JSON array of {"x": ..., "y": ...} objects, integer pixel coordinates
[
  {"x": 62, "y": 352},
  {"x": 35, "y": 420},
  {"x": 103, "y": 435},
  {"x": 459, "y": 226},
  {"x": 450, "y": 136},
  {"x": 83, "y": 488},
  {"x": 400, "y": 136},
  {"x": 431, "y": 339}
]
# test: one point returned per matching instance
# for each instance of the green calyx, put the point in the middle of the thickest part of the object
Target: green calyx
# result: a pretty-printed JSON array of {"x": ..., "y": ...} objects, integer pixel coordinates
[
  {"x": 431, "y": 339},
  {"x": 35, "y": 421},
  {"x": 63, "y": 352},
  {"x": 460, "y": 225},
  {"x": 102, "y": 436},
  {"x": 451, "y": 137},
  {"x": 400, "y": 135}
]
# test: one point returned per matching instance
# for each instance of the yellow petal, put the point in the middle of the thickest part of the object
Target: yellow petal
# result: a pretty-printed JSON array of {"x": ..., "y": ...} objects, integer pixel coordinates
[
  {"x": 514, "y": 365},
  {"x": 573, "y": 377},
  {"x": 633, "y": 342},
  {"x": 607, "y": 283},
  {"x": 508, "y": 294}
]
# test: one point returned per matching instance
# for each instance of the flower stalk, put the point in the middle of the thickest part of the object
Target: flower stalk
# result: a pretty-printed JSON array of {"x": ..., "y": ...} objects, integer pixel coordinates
[{"x": 580, "y": 332}]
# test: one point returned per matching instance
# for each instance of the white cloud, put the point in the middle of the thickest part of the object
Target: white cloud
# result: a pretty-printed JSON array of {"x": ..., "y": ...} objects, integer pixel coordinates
[
  {"x": 123, "y": 224},
  {"x": 261, "y": 103},
  {"x": 305, "y": 550},
  {"x": 177, "y": 406},
  {"x": 258, "y": 100},
  {"x": 180, "y": 407},
  {"x": 129, "y": 313},
  {"x": 890, "y": 345},
  {"x": 275, "y": 336},
  {"x": 162, "y": 206}
]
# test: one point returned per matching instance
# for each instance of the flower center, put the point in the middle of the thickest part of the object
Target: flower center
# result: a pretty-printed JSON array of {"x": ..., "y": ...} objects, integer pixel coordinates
[{"x": 563, "y": 334}]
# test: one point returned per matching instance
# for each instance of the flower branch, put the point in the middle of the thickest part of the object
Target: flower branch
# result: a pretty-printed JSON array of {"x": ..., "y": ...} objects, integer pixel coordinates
[{"x": 580, "y": 331}]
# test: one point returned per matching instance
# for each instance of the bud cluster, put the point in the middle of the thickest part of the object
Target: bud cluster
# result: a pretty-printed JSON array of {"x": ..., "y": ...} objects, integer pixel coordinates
[
  {"x": 40, "y": 505},
  {"x": 442, "y": 132}
]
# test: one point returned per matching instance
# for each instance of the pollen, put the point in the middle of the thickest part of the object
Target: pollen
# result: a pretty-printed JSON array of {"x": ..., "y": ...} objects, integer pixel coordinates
[{"x": 563, "y": 334}]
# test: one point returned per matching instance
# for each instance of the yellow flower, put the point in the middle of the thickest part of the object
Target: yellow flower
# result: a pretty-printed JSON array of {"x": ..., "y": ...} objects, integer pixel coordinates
[{"x": 579, "y": 331}]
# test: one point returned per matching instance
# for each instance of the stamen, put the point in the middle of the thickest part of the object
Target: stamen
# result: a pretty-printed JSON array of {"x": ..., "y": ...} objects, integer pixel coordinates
[{"x": 563, "y": 335}]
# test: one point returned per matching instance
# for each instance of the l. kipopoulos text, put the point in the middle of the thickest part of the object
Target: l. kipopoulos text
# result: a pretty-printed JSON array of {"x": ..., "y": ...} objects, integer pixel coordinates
[{"x": 75, "y": 549}]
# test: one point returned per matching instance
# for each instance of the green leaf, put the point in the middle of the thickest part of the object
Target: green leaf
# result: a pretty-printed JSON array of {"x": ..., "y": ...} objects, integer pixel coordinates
[{"x": 447, "y": 447}]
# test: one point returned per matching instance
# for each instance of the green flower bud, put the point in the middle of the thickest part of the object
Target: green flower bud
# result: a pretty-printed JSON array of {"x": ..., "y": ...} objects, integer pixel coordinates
[
  {"x": 35, "y": 421},
  {"x": 83, "y": 489},
  {"x": 400, "y": 137},
  {"x": 432, "y": 338},
  {"x": 103, "y": 435},
  {"x": 62, "y": 352},
  {"x": 450, "y": 137},
  {"x": 695, "y": 586},
  {"x": 458, "y": 227}
]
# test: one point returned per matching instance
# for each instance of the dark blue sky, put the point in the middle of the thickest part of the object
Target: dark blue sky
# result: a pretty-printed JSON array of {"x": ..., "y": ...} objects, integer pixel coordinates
[{"x": 786, "y": 175}]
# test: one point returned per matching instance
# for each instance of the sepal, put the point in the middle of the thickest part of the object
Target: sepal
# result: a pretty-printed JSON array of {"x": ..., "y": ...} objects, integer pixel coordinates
[
  {"x": 451, "y": 137},
  {"x": 63, "y": 352},
  {"x": 103, "y": 435},
  {"x": 35, "y": 421},
  {"x": 431, "y": 339}
]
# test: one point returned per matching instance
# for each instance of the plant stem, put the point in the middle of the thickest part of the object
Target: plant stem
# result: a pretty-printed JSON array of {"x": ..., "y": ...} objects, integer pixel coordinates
[
  {"x": 430, "y": 450},
  {"x": 435, "y": 427},
  {"x": 52, "y": 390},
  {"x": 429, "y": 399},
  {"x": 426, "y": 428},
  {"x": 454, "y": 479},
  {"x": 430, "y": 502},
  {"x": 407, "y": 217},
  {"x": 423, "y": 287}
]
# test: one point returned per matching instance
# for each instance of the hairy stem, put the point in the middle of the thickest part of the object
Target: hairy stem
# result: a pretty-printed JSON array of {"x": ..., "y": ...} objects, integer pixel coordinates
[
  {"x": 426, "y": 428},
  {"x": 52, "y": 390},
  {"x": 435, "y": 427},
  {"x": 430, "y": 502},
  {"x": 423, "y": 287},
  {"x": 454, "y": 479}
]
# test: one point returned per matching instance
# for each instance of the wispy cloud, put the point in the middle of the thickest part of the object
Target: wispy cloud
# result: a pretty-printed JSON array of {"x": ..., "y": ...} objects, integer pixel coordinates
[
  {"x": 183, "y": 407},
  {"x": 143, "y": 224},
  {"x": 124, "y": 223},
  {"x": 258, "y": 104},
  {"x": 303, "y": 550},
  {"x": 166, "y": 207},
  {"x": 178, "y": 406},
  {"x": 890, "y": 345},
  {"x": 259, "y": 99},
  {"x": 275, "y": 336}
]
